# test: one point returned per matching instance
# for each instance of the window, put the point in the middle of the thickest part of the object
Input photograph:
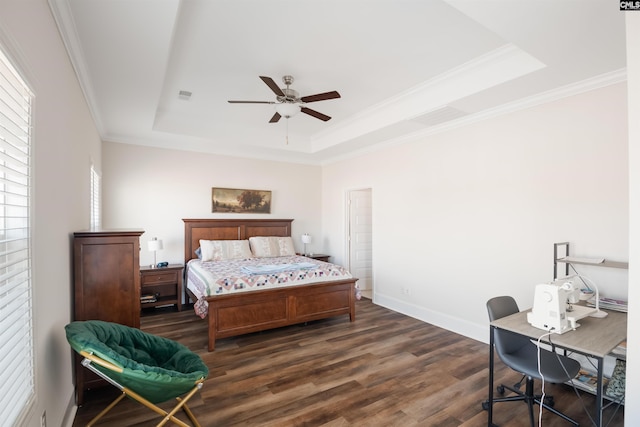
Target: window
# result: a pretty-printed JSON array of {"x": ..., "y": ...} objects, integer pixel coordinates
[
  {"x": 16, "y": 331},
  {"x": 96, "y": 220}
]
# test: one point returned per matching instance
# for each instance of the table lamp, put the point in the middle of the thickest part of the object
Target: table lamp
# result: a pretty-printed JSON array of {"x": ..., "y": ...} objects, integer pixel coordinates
[
  {"x": 598, "y": 312},
  {"x": 306, "y": 238},
  {"x": 154, "y": 245}
]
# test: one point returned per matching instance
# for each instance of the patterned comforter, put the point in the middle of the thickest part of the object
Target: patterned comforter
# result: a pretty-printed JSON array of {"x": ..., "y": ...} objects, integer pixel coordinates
[{"x": 210, "y": 278}]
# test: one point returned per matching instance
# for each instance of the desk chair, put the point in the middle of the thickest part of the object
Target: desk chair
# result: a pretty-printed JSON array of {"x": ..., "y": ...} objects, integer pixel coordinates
[{"x": 521, "y": 354}]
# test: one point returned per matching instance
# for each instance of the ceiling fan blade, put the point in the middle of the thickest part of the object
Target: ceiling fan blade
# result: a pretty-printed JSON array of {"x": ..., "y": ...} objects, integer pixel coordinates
[
  {"x": 250, "y": 102},
  {"x": 274, "y": 87},
  {"x": 320, "y": 97},
  {"x": 275, "y": 118},
  {"x": 315, "y": 114}
]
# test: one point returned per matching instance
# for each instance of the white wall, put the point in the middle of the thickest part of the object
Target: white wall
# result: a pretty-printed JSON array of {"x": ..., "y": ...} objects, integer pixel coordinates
[
  {"x": 632, "y": 399},
  {"x": 65, "y": 142},
  {"x": 154, "y": 189},
  {"x": 458, "y": 217},
  {"x": 466, "y": 215}
]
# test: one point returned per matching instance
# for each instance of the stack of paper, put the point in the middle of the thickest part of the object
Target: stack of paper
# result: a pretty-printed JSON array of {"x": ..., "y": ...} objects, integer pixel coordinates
[
  {"x": 609, "y": 304},
  {"x": 621, "y": 350},
  {"x": 147, "y": 299},
  {"x": 587, "y": 381}
]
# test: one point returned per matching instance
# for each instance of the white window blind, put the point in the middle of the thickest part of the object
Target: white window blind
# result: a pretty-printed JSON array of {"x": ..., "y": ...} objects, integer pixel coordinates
[
  {"x": 96, "y": 220},
  {"x": 16, "y": 332}
]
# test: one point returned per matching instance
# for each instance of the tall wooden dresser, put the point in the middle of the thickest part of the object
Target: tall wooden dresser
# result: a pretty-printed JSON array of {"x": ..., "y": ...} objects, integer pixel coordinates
[{"x": 106, "y": 286}]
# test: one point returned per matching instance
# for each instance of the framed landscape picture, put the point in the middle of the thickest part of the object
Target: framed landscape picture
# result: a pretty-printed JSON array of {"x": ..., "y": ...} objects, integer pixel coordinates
[{"x": 233, "y": 200}]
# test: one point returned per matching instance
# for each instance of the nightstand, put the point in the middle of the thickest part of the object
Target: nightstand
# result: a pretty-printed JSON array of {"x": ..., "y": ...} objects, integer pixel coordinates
[
  {"x": 319, "y": 257},
  {"x": 161, "y": 286}
]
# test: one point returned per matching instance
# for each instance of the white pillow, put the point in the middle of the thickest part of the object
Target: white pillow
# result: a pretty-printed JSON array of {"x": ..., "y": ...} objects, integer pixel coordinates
[
  {"x": 285, "y": 245},
  {"x": 263, "y": 247},
  {"x": 218, "y": 250},
  {"x": 271, "y": 246}
]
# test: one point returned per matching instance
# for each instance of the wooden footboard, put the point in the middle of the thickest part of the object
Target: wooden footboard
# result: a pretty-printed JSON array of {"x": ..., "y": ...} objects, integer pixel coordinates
[
  {"x": 246, "y": 312},
  {"x": 238, "y": 314}
]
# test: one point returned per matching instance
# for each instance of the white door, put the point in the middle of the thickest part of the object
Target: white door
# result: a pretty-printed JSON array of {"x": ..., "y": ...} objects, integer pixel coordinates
[{"x": 360, "y": 237}]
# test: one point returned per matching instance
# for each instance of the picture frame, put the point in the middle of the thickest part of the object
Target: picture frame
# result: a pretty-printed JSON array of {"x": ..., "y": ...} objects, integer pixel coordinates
[{"x": 237, "y": 200}]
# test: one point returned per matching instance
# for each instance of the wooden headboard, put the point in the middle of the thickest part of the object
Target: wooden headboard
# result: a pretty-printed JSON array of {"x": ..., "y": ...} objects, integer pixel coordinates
[{"x": 230, "y": 229}]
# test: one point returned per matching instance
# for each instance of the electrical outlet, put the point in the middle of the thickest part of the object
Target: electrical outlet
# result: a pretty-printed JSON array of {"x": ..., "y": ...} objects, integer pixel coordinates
[{"x": 43, "y": 420}]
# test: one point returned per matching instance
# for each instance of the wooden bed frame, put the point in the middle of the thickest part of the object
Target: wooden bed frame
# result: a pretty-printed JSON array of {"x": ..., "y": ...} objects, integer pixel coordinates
[{"x": 246, "y": 312}]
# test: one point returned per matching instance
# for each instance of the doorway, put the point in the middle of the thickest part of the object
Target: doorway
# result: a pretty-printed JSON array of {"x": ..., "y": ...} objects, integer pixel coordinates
[{"x": 359, "y": 239}]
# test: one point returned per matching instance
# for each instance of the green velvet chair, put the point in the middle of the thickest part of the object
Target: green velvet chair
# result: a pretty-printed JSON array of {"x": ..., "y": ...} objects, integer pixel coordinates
[{"x": 147, "y": 368}]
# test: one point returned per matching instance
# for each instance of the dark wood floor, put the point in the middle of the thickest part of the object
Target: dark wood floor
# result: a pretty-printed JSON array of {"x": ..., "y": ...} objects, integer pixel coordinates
[{"x": 384, "y": 369}]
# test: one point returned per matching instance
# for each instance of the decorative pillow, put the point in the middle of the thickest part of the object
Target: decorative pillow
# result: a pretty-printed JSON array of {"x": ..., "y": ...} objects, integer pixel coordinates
[
  {"x": 262, "y": 247},
  {"x": 218, "y": 250},
  {"x": 271, "y": 246},
  {"x": 615, "y": 388},
  {"x": 285, "y": 246}
]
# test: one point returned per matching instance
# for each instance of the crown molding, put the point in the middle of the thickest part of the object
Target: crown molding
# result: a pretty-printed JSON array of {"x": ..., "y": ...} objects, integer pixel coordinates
[
  {"x": 61, "y": 11},
  {"x": 587, "y": 85}
]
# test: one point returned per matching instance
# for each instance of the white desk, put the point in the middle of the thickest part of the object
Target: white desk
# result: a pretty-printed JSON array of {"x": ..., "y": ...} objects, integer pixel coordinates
[{"x": 595, "y": 338}]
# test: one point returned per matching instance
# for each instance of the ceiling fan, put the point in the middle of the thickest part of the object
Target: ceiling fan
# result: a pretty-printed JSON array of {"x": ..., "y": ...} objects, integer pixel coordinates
[{"x": 289, "y": 103}]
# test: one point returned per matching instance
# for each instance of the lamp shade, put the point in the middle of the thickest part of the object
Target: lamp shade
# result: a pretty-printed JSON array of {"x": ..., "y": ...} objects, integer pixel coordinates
[
  {"x": 154, "y": 245},
  {"x": 306, "y": 238},
  {"x": 287, "y": 109}
]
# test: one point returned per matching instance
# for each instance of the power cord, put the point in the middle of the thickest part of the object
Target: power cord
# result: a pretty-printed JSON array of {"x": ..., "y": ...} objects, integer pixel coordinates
[
  {"x": 581, "y": 277},
  {"x": 548, "y": 334},
  {"x": 575, "y": 390},
  {"x": 618, "y": 401}
]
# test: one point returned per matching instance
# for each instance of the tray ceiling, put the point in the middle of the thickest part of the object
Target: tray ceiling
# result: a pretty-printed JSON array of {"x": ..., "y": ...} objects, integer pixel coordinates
[{"x": 403, "y": 68}]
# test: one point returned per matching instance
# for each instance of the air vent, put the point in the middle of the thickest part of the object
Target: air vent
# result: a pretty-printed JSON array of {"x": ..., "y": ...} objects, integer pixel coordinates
[
  {"x": 439, "y": 116},
  {"x": 184, "y": 94}
]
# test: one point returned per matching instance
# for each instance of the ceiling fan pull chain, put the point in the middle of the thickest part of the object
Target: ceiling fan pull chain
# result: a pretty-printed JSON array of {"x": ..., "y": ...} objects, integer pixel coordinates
[{"x": 287, "y": 131}]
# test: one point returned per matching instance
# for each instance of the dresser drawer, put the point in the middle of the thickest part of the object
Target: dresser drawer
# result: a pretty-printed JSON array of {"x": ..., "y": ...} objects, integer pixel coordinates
[{"x": 158, "y": 277}]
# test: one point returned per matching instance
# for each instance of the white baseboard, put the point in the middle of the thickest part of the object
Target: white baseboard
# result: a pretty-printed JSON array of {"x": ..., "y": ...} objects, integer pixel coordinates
[
  {"x": 442, "y": 320},
  {"x": 70, "y": 412}
]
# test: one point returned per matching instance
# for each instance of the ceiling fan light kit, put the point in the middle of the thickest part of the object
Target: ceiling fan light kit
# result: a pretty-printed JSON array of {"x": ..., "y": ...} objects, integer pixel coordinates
[
  {"x": 287, "y": 109},
  {"x": 289, "y": 103}
]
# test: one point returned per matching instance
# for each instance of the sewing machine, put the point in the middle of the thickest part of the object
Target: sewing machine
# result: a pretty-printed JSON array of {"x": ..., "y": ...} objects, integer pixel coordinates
[{"x": 554, "y": 307}]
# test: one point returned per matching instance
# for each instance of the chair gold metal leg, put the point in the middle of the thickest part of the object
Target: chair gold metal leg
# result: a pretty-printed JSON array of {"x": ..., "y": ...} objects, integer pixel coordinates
[
  {"x": 192, "y": 417},
  {"x": 180, "y": 405},
  {"x": 168, "y": 416},
  {"x": 107, "y": 409},
  {"x": 155, "y": 408}
]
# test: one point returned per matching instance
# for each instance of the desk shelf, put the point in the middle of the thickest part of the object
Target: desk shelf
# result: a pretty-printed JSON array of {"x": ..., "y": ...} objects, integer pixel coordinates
[
  {"x": 605, "y": 263},
  {"x": 567, "y": 261}
]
